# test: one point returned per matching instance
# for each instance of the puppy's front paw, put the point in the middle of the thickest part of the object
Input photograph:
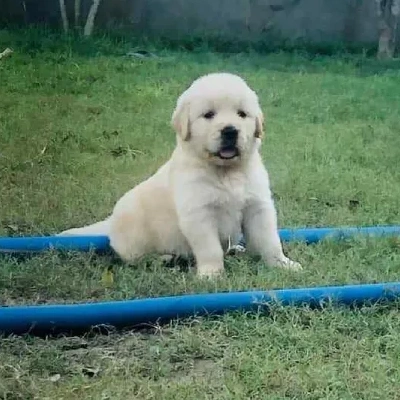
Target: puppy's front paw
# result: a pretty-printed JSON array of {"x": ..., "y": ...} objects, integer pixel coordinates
[
  {"x": 287, "y": 263},
  {"x": 209, "y": 271}
]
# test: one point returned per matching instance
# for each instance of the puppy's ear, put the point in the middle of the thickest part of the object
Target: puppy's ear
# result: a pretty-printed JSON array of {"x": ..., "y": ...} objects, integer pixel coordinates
[
  {"x": 259, "y": 132},
  {"x": 180, "y": 120}
]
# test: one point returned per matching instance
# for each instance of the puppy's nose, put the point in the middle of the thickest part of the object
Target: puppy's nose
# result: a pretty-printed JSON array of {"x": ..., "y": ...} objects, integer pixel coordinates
[{"x": 229, "y": 134}]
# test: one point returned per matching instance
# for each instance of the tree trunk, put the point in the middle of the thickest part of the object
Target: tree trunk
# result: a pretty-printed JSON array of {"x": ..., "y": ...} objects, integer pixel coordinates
[
  {"x": 77, "y": 12},
  {"x": 90, "y": 19},
  {"x": 64, "y": 17},
  {"x": 388, "y": 16}
]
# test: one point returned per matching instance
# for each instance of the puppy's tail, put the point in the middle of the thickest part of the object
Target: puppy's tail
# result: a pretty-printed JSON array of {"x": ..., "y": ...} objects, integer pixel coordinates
[{"x": 101, "y": 228}]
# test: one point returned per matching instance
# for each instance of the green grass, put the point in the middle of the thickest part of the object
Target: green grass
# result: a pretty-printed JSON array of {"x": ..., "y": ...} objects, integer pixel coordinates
[{"x": 77, "y": 131}]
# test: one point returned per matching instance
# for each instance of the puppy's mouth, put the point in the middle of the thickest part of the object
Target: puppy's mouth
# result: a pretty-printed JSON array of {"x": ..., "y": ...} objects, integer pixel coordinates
[{"x": 228, "y": 152}]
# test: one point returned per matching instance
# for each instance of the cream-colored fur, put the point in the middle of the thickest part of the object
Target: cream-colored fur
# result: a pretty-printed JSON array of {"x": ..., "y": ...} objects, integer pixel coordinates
[{"x": 198, "y": 201}]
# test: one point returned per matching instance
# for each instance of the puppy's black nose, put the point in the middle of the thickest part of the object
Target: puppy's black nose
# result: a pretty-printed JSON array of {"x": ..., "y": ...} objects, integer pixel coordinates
[{"x": 229, "y": 135}]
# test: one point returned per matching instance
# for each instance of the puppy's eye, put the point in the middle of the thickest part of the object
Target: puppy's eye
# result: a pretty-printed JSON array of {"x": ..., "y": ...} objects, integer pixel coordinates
[
  {"x": 209, "y": 115},
  {"x": 242, "y": 114}
]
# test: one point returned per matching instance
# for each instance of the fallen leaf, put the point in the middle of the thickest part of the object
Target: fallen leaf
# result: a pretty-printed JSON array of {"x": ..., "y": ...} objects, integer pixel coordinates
[
  {"x": 55, "y": 378},
  {"x": 107, "y": 277}
]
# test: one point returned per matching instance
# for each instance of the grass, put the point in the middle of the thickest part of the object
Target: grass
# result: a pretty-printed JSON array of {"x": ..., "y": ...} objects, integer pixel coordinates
[{"x": 77, "y": 131}]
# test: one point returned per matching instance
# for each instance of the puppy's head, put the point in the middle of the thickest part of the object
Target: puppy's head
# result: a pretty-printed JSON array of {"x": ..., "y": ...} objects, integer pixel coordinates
[{"x": 219, "y": 118}]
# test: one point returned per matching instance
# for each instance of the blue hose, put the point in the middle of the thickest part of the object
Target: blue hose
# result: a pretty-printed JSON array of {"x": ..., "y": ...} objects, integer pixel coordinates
[
  {"x": 101, "y": 243},
  {"x": 46, "y": 319},
  {"x": 43, "y": 243}
]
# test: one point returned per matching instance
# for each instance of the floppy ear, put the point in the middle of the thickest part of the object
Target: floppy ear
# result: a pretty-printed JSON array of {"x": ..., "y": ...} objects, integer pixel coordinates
[
  {"x": 180, "y": 120},
  {"x": 259, "y": 132}
]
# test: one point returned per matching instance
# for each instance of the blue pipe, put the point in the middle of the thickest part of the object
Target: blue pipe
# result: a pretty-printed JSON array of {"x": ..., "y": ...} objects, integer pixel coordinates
[
  {"x": 46, "y": 319},
  {"x": 101, "y": 243},
  {"x": 43, "y": 243},
  {"x": 315, "y": 235}
]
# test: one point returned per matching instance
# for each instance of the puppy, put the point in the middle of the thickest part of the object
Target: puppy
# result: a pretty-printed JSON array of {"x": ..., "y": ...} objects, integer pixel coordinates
[{"x": 213, "y": 187}]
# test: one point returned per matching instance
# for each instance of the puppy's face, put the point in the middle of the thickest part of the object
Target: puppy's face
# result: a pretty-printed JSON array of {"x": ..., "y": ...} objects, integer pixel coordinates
[{"x": 219, "y": 119}]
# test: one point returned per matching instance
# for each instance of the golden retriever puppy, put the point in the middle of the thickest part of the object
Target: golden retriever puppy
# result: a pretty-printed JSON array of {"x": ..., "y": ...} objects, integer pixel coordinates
[{"x": 213, "y": 186}]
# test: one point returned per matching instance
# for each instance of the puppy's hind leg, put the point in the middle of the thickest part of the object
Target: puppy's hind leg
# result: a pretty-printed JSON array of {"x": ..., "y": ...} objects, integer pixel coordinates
[{"x": 129, "y": 235}]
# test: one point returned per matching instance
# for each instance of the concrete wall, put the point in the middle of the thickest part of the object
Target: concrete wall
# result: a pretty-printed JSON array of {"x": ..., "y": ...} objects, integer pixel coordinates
[{"x": 311, "y": 20}]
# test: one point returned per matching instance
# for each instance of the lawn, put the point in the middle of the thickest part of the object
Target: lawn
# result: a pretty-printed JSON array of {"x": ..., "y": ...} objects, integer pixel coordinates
[{"x": 78, "y": 129}]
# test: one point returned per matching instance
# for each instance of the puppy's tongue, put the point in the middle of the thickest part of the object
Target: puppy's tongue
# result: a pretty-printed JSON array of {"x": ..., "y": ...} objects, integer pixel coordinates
[{"x": 227, "y": 153}]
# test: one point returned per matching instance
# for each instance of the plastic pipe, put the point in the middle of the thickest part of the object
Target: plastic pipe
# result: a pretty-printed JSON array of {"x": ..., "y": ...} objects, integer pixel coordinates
[
  {"x": 43, "y": 243},
  {"x": 46, "y": 319},
  {"x": 314, "y": 235},
  {"x": 101, "y": 243}
]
